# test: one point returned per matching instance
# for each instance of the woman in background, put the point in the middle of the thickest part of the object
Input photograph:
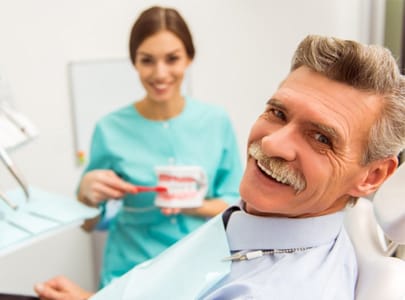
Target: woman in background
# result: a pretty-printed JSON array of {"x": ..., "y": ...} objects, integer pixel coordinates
[{"x": 162, "y": 128}]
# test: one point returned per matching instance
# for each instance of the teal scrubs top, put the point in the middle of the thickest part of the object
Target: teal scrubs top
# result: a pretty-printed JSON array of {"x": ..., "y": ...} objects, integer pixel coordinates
[{"x": 131, "y": 146}]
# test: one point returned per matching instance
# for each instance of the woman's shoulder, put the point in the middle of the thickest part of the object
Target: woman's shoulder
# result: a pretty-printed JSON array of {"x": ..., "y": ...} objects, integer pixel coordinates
[{"x": 120, "y": 113}]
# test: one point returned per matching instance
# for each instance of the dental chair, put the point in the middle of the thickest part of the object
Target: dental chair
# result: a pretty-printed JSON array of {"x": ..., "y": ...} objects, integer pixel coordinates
[{"x": 376, "y": 228}]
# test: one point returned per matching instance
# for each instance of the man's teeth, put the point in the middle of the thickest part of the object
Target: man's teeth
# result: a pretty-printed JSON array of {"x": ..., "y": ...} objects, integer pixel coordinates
[{"x": 276, "y": 177}]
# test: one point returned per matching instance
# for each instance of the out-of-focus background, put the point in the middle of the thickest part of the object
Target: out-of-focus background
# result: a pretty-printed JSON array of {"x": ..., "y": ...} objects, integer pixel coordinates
[{"x": 243, "y": 51}]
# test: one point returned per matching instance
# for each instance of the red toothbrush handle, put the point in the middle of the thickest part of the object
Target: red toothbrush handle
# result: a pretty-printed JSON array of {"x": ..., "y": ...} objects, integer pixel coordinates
[{"x": 158, "y": 189}]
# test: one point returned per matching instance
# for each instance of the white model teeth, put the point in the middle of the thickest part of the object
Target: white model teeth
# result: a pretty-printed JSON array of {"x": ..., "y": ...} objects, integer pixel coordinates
[{"x": 276, "y": 177}]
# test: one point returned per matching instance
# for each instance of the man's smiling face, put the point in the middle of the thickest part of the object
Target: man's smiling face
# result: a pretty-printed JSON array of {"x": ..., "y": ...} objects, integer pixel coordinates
[{"x": 305, "y": 151}]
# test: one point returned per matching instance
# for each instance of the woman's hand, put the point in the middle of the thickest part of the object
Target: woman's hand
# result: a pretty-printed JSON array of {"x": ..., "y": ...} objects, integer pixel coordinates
[
  {"x": 168, "y": 211},
  {"x": 99, "y": 185},
  {"x": 61, "y": 288}
]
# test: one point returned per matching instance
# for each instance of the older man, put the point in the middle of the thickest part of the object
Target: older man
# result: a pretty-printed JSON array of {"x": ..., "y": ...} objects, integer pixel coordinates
[{"x": 329, "y": 134}]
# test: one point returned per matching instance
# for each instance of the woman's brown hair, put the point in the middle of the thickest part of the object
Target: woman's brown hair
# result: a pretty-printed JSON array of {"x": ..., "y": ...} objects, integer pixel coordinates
[{"x": 154, "y": 20}]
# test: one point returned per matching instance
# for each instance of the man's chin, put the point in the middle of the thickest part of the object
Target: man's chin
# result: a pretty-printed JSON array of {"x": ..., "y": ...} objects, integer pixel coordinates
[{"x": 261, "y": 211}]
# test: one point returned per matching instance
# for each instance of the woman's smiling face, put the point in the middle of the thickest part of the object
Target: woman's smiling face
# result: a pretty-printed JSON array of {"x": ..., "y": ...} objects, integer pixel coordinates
[{"x": 161, "y": 61}]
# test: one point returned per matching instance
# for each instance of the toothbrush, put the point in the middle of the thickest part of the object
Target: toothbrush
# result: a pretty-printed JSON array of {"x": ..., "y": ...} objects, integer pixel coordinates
[{"x": 157, "y": 189}]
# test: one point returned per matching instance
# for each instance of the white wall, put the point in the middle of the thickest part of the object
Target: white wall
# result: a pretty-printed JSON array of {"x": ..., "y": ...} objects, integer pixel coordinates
[{"x": 243, "y": 51}]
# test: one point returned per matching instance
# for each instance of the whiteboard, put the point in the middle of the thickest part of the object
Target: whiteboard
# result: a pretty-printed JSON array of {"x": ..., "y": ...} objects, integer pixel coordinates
[{"x": 98, "y": 87}]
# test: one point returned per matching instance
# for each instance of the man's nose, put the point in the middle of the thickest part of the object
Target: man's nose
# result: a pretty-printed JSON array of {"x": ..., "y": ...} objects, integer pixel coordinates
[{"x": 281, "y": 143}]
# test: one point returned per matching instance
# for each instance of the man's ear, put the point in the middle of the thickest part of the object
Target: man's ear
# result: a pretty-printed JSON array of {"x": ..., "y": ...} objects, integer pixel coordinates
[{"x": 375, "y": 174}]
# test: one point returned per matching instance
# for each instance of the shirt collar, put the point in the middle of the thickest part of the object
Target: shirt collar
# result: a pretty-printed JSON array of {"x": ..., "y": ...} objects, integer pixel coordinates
[{"x": 248, "y": 232}]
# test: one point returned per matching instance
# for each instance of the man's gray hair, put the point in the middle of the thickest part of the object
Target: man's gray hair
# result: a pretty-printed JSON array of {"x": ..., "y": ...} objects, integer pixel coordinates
[{"x": 366, "y": 67}]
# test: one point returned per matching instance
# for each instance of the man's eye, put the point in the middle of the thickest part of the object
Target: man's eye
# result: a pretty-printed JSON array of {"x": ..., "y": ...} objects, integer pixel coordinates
[
  {"x": 321, "y": 138},
  {"x": 278, "y": 114}
]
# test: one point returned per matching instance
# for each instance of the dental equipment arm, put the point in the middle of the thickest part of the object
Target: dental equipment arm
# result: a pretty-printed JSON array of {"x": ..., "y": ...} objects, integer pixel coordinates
[
  {"x": 7, "y": 200},
  {"x": 14, "y": 171}
]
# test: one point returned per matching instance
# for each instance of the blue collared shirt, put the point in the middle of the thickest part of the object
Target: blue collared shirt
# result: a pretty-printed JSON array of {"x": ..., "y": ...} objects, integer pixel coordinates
[
  {"x": 194, "y": 268},
  {"x": 326, "y": 270}
]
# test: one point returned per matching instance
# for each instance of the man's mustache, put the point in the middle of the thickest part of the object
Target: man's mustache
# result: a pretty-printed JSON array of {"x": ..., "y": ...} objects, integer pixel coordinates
[{"x": 278, "y": 168}]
